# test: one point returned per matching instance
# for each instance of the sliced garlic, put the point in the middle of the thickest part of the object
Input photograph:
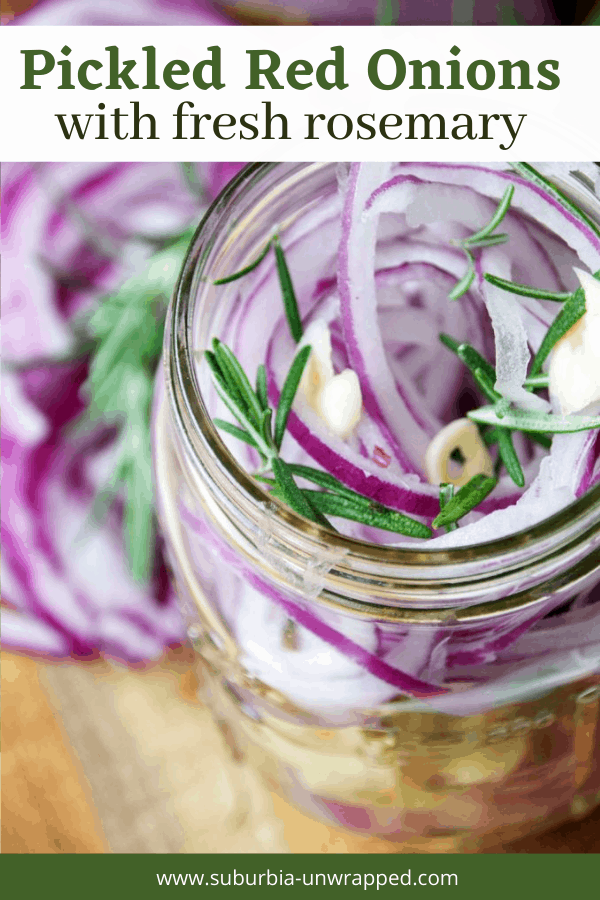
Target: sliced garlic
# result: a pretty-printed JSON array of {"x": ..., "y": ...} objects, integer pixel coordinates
[
  {"x": 462, "y": 435},
  {"x": 341, "y": 403},
  {"x": 574, "y": 370},
  {"x": 337, "y": 399}
]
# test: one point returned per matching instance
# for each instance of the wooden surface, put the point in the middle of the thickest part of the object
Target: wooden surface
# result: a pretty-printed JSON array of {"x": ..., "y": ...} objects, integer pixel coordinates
[
  {"x": 46, "y": 801},
  {"x": 103, "y": 759}
]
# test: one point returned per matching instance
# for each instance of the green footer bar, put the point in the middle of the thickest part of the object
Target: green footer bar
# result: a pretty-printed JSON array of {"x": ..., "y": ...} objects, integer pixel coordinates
[{"x": 481, "y": 877}]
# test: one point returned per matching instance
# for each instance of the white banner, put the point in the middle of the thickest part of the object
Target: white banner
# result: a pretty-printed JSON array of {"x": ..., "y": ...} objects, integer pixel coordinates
[{"x": 288, "y": 93}]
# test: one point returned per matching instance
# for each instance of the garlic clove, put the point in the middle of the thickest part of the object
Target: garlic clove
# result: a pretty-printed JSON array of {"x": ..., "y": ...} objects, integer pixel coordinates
[
  {"x": 462, "y": 435},
  {"x": 574, "y": 370},
  {"x": 341, "y": 403},
  {"x": 319, "y": 368}
]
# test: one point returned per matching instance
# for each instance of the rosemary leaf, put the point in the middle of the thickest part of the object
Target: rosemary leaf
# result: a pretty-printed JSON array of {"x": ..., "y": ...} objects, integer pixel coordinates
[
  {"x": 491, "y": 437},
  {"x": 290, "y": 492},
  {"x": 327, "y": 481},
  {"x": 544, "y": 440},
  {"x": 123, "y": 340},
  {"x": 249, "y": 268},
  {"x": 466, "y": 498},
  {"x": 288, "y": 392},
  {"x": 449, "y": 342},
  {"x": 236, "y": 432},
  {"x": 476, "y": 362},
  {"x": 492, "y": 241},
  {"x": 508, "y": 455},
  {"x": 261, "y": 386},
  {"x": 547, "y": 423},
  {"x": 373, "y": 514},
  {"x": 536, "y": 382},
  {"x": 242, "y": 418},
  {"x": 265, "y": 428},
  {"x": 572, "y": 311},
  {"x": 316, "y": 515},
  {"x": 446, "y": 495},
  {"x": 469, "y": 356},
  {"x": 486, "y": 386},
  {"x": 215, "y": 369},
  {"x": 462, "y": 286},
  {"x": 287, "y": 291},
  {"x": 523, "y": 290},
  {"x": 264, "y": 479},
  {"x": 496, "y": 218},
  {"x": 237, "y": 378},
  {"x": 139, "y": 505}
]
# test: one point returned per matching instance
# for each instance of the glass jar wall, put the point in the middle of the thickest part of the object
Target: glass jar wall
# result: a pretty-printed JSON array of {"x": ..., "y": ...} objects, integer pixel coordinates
[{"x": 313, "y": 644}]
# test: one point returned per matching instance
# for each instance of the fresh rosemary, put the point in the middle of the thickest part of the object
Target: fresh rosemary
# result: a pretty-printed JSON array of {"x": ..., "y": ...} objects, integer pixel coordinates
[
  {"x": 263, "y": 428},
  {"x": 482, "y": 238},
  {"x": 125, "y": 331}
]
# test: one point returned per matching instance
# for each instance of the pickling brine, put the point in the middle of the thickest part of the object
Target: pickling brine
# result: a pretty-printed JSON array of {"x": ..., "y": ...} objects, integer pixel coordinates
[{"x": 377, "y": 463}]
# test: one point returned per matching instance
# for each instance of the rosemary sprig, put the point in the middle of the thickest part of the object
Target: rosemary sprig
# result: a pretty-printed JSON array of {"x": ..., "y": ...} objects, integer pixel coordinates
[
  {"x": 491, "y": 226},
  {"x": 335, "y": 499},
  {"x": 480, "y": 239},
  {"x": 465, "y": 499},
  {"x": 126, "y": 330},
  {"x": 361, "y": 509}
]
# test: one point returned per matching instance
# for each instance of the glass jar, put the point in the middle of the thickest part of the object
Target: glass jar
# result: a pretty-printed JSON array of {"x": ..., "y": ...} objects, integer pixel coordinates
[{"x": 471, "y": 769}]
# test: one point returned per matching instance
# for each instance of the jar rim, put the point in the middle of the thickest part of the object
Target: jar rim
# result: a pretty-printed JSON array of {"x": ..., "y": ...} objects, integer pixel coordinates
[{"x": 581, "y": 517}]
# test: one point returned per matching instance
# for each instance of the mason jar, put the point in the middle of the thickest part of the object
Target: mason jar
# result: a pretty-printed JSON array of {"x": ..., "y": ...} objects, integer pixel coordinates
[{"x": 491, "y": 759}]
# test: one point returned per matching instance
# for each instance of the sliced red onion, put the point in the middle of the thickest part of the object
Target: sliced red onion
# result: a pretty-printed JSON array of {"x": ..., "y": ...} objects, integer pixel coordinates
[{"x": 399, "y": 230}]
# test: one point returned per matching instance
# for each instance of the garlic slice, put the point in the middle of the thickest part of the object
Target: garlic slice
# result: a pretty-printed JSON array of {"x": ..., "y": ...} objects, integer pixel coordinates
[
  {"x": 462, "y": 435},
  {"x": 574, "y": 370},
  {"x": 341, "y": 403}
]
